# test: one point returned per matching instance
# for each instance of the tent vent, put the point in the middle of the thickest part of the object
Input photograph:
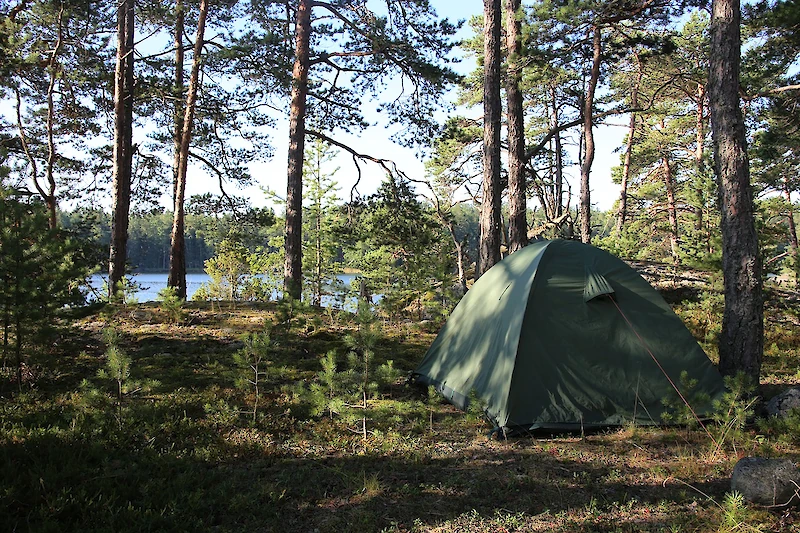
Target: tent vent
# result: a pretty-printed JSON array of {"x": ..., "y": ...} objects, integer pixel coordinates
[{"x": 596, "y": 285}]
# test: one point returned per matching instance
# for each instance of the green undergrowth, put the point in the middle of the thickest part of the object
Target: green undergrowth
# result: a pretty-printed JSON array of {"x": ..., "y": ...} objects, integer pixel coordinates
[{"x": 221, "y": 420}]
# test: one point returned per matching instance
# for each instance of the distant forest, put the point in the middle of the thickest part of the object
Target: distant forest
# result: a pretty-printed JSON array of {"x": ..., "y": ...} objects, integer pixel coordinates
[{"x": 149, "y": 236}]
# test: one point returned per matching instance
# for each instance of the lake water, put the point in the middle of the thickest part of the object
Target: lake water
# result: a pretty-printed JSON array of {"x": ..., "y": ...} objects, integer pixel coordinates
[{"x": 152, "y": 283}]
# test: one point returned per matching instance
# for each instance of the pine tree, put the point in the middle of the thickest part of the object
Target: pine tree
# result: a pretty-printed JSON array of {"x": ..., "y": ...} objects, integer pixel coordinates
[
  {"x": 407, "y": 44},
  {"x": 54, "y": 64},
  {"x": 517, "y": 184},
  {"x": 319, "y": 266},
  {"x": 742, "y": 340},
  {"x": 228, "y": 270},
  {"x": 491, "y": 190},
  {"x": 40, "y": 271},
  {"x": 253, "y": 364},
  {"x": 398, "y": 246},
  {"x": 123, "y": 145}
]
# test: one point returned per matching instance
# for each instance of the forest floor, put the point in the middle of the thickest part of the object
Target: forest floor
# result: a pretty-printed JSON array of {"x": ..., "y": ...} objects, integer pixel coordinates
[{"x": 187, "y": 448}]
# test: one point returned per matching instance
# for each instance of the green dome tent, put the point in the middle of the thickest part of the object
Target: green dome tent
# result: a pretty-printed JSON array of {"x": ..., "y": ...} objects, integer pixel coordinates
[{"x": 563, "y": 335}]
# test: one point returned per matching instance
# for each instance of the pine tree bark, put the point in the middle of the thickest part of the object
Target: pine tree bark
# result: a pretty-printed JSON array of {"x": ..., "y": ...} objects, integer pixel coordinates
[
  {"x": 515, "y": 124},
  {"x": 53, "y": 71},
  {"x": 461, "y": 278},
  {"x": 123, "y": 146},
  {"x": 177, "y": 259},
  {"x": 317, "y": 298},
  {"x": 293, "y": 261},
  {"x": 672, "y": 210},
  {"x": 588, "y": 139},
  {"x": 177, "y": 94},
  {"x": 490, "y": 237},
  {"x": 699, "y": 157},
  {"x": 741, "y": 341},
  {"x": 622, "y": 209},
  {"x": 558, "y": 186},
  {"x": 793, "y": 245}
]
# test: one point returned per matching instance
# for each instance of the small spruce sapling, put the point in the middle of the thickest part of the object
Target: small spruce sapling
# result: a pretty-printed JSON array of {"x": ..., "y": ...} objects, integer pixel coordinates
[
  {"x": 171, "y": 304},
  {"x": 326, "y": 392},
  {"x": 732, "y": 411},
  {"x": 361, "y": 345},
  {"x": 118, "y": 370},
  {"x": 118, "y": 363},
  {"x": 252, "y": 361}
]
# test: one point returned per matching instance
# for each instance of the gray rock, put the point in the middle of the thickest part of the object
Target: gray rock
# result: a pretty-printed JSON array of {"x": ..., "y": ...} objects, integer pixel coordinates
[
  {"x": 784, "y": 402},
  {"x": 767, "y": 481}
]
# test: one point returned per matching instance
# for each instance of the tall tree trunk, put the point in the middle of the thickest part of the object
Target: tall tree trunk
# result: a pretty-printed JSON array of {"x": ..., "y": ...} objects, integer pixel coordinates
[
  {"x": 18, "y": 336},
  {"x": 53, "y": 68},
  {"x": 489, "y": 248},
  {"x": 293, "y": 262},
  {"x": 741, "y": 341},
  {"x": 6, "y": 333},
  {"x": 622, "y": 209},
  {"x": 460, "y": 247},
  {"x": 588, "y": 133},
  {"x": 517, "y": 203},
  {"x": 558, "y": 186},
  {"x": 177, "y": 258},
  {"x": 545, "y": 190},
  {"x": 318, "y": 237},
  {"x": 177, "y": 95},
  {"x": 793, "y": 245},
  {"x": 672, "y": 210},
  {"x": 699, "y": 158},
  {"x": 5, "y": 304},
  {"x": 123, "y": 146},
  {"x": 461, "y": 271}
]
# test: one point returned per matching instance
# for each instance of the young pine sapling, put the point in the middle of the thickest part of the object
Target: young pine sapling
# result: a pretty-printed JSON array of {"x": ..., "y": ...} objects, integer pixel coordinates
[{"x": 252, "y": 361}]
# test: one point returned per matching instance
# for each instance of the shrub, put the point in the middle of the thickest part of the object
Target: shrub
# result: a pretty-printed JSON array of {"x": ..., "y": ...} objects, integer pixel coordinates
[{"x": 171, "y": 304}]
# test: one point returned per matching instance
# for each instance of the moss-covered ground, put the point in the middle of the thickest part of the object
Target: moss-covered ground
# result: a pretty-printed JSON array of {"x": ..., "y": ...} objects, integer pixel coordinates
[{"x": 183, "y": 450}]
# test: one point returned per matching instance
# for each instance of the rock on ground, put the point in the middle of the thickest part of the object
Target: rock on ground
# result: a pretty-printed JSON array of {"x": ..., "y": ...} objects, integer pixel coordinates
[
  {"x": 784, "y": 402},
  {"x": 767, "y": 481}
]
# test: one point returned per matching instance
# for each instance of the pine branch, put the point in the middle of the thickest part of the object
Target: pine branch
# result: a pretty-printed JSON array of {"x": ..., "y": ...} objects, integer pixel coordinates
[
  {"x": 771, "y": 92},
  {"x": 388, "y": 165}
]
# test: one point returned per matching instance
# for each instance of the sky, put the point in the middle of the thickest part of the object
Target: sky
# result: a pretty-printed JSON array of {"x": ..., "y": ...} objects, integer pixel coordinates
[{"x": 375, "y": 141}]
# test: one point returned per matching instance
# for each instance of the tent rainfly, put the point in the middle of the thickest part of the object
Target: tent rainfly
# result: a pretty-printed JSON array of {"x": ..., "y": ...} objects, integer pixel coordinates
[{"x": 563, "y": 335}]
